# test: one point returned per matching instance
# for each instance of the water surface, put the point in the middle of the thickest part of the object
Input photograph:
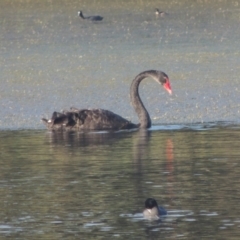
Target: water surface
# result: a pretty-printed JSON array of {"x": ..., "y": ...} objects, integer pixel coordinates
[{"x": 93, "y": 185}]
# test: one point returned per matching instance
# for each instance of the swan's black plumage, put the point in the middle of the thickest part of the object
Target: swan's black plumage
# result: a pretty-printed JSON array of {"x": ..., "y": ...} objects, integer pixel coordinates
[
  {"x": 100, "y": 119},
  {"x": 91, "y": 18},
  {"x": 92, "y": 119}
]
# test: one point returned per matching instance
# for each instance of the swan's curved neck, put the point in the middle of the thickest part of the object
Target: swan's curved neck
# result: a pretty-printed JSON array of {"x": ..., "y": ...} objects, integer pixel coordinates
[{"x": 143, "y": 115}]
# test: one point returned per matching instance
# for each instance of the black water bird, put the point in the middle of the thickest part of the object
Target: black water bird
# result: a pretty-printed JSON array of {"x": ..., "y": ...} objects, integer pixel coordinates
[
  {"x": 91, "y": 18},
  {"x": 152, "y": 211},
  {"x": 160, "y": 13},
  {"x": 100, "y": 119}
]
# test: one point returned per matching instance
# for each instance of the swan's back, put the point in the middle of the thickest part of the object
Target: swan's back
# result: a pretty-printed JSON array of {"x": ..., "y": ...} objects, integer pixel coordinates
[{"x": 87, "y": 119}]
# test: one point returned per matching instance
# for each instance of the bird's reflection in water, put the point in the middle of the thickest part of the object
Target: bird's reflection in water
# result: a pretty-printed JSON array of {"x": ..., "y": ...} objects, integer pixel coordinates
[
  {"x": 170, "y": 166},
  {"x": 86, "y": 139},
  {"x": 140, "y": 146}
]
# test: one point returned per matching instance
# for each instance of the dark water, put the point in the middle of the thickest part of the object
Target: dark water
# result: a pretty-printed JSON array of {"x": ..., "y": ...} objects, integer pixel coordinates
[{"x": 93, "y": 185}]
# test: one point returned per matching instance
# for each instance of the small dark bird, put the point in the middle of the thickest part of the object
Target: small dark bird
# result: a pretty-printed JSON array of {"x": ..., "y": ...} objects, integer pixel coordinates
[
  {"x": 91, "y": 18},
  {"x": 152, "y": 211},
  {"x": 160, "y": 13}
]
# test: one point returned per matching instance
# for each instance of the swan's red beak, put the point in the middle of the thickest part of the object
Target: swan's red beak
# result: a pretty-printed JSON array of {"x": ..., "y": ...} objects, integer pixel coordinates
[{"x": 167, "y": 86}]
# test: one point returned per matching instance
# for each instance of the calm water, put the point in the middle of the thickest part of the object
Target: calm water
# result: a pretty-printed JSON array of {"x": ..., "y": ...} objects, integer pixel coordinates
[{"x": 93, "y": 185}]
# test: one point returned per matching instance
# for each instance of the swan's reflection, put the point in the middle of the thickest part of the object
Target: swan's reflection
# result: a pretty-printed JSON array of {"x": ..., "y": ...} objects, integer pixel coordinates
[
  {"x": 170, "y": 166},
  {"x": 84, "y": 139},
  {"x": 140, "y": 147}
]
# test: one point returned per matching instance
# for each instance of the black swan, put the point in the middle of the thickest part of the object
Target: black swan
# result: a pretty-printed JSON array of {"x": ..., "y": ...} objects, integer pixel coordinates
[
  {"x": 91, "y": 18},
  {"x": 99, "y": 119}
]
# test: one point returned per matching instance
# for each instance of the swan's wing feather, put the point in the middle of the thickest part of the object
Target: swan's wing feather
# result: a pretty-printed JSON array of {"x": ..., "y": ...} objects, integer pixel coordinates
[
  {"x": 92, "y": 119},
  {"x": 103, "y": 119}
]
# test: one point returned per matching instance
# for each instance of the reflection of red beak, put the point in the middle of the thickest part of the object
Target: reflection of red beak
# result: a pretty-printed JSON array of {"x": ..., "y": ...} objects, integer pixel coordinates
[{"x": 167, "y": 86}]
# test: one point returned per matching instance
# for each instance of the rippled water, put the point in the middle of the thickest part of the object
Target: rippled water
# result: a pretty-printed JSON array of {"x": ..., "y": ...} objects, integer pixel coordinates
[{"x": 93, "y": 185}]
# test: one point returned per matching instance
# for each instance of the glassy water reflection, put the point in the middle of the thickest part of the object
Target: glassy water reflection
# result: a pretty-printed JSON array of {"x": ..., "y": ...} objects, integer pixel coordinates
[{"x": 93, "y": 185}]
